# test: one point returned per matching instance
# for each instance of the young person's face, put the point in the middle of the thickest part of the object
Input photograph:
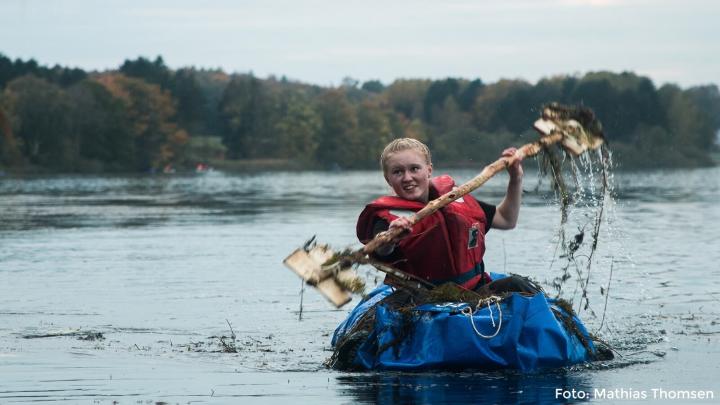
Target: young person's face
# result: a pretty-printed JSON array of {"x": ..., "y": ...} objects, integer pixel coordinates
[{"x": 409, "y": 175}]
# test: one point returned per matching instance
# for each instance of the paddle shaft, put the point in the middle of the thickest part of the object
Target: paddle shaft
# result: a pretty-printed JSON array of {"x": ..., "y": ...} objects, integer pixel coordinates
[{"x": 527, "y": 150}]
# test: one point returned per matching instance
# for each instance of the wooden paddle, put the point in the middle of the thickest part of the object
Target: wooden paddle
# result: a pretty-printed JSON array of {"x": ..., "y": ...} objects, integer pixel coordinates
[{"x": 575, "y": 128}]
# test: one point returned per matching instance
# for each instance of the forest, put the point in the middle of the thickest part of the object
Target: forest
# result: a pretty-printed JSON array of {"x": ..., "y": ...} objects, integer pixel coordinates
[{"x": 145, "y": 116}]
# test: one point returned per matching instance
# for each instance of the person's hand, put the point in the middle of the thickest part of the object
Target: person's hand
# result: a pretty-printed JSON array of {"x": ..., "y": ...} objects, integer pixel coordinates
[
  {"x": 515, "y": 170},
  {"x": 401, "y": 223}
]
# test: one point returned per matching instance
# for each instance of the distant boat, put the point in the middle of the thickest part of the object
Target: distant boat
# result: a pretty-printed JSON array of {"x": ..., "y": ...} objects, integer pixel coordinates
[{"x": 203, "y": 168}]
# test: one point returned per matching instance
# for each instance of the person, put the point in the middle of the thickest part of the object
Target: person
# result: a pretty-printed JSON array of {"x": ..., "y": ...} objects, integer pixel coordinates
[{"x": 449, "y": 245}]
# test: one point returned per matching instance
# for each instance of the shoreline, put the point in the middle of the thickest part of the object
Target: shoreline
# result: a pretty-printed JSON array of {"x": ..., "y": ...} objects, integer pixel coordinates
[{"x": 283, "y": 165}]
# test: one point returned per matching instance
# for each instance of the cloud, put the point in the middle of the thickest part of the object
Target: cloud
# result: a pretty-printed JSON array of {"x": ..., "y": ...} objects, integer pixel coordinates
[
  {"x": 321, "y": 39},
  {"x": 592, "y": 3}
]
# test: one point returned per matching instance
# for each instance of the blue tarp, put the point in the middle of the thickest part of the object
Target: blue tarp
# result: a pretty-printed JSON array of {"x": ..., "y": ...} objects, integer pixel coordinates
[{"x": 441, "y": 336}]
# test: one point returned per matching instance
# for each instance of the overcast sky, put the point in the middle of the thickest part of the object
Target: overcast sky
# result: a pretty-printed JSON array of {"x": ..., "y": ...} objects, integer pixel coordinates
[{"x": 322, "y": 41}]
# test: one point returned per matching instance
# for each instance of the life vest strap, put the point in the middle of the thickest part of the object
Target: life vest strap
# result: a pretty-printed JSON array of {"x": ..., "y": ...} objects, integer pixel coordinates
[{"x": 461, "y": 279}]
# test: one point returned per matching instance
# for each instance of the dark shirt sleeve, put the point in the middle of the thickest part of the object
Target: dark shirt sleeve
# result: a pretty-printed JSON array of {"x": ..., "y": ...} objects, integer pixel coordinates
[
  {"x": 380, "y": 225},
  {"x": 489, "y": 210}
]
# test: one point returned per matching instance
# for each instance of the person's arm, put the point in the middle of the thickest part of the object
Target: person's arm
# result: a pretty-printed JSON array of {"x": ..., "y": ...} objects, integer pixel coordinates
[{"x": 508, "y": 210}]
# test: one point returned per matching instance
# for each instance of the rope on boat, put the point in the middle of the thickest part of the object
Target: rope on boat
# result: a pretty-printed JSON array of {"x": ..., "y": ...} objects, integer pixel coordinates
[{"x": 468, "y": 311}]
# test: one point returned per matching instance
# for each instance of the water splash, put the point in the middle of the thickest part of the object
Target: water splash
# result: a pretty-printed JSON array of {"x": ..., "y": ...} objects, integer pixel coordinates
[{"x": 585, "y": 190}]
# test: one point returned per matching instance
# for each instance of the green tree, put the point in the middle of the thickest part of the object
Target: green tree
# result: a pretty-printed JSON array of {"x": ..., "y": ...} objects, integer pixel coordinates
[
  {"x": 373, "y": 86},
  {"x": 204, "y": 149},
  {"x": 436, "y": 95},
  {"x": 248, "y": 115},
  {"x": 470, "y": 147},
  {"x": 57, "y": 74},
  {"x": 101, "y": 122},
  {"x": 7, "y": 71},
  {"x": 503, "y": 106},
  {"x": 374, "y": 132},
  {"x": 406, "y": 97},
  {"x": 298, "y": 130},
  {"x": 339, "y": 143},
  {"x": 707, "y": 99},
  {"x": 191, "y": 100},
  {"x": 468, "y": 94},
  {"x": 155, "y": 72},
  {"x": 212, "y": 83},
  {"x": 41, "y": 121}
]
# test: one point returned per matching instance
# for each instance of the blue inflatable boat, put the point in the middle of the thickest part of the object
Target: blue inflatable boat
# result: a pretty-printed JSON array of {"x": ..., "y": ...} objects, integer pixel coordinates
[{"x": 519, "y": 332}]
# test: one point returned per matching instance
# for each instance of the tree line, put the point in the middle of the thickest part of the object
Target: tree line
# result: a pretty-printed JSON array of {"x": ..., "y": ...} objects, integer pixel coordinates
[{"x": 145, "y": 116}]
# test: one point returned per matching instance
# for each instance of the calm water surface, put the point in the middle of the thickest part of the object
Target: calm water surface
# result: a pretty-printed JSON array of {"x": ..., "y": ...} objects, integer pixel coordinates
[{"x": 167, "y": 268}]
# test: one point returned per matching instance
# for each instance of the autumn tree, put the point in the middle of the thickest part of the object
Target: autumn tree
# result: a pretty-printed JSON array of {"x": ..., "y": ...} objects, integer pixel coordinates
[
  {"x": 157, "y": 139},
  {"x": 9, "y": 150},
  {"x": 63, "y": 119}
]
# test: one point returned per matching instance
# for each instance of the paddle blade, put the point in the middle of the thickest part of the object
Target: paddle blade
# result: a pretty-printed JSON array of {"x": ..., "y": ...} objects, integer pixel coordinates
[
  {"x": 580, "y": 129},
  {"x": 308, "y": 264}
]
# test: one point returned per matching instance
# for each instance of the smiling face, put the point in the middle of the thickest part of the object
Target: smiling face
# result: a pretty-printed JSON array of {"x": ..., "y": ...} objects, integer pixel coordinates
[{"x": 408, "y": 173}]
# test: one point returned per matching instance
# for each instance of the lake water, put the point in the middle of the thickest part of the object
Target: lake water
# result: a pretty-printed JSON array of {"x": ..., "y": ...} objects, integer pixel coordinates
[{"x": 136, "y": 282}]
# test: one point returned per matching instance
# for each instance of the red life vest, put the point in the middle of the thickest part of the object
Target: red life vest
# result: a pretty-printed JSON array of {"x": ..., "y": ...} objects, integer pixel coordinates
[{"x": 446, "y": 246}]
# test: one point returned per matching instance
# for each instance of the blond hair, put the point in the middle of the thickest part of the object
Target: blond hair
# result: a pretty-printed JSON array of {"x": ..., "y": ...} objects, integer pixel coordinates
[{"x": 401, "y": 144}]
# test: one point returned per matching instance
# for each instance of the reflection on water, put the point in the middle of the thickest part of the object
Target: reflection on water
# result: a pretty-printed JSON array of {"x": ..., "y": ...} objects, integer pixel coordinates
[
  {"x": 462, "y": 388},
  {"x": 163, "y": 266}
]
